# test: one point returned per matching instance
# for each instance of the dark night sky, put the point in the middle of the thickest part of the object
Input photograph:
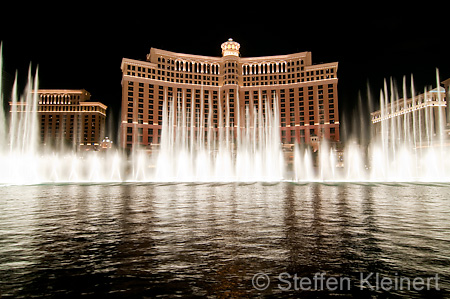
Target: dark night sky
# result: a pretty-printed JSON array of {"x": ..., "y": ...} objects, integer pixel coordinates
[{"x": 82, "y": 47}]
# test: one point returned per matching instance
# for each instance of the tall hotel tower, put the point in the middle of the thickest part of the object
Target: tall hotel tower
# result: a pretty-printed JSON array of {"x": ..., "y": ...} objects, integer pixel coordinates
[{"x": 306, "y": 94}]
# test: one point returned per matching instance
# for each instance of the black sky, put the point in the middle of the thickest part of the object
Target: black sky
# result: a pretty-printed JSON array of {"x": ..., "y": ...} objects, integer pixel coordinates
[{"x": 82, "y": 46}]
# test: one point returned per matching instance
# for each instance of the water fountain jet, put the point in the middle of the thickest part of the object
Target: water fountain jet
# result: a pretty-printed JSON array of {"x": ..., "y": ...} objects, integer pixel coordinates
[{"x": 408, "y": 144}]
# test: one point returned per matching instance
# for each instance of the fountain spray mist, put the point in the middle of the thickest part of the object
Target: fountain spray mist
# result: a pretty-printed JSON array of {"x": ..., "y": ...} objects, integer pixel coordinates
[{"x": 408, "y": 142}]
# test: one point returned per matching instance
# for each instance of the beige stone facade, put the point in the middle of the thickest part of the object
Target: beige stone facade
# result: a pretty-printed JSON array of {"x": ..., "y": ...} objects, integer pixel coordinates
[
  {"x": 70, "y": 117},
  {"x": 306, "y": 93}
]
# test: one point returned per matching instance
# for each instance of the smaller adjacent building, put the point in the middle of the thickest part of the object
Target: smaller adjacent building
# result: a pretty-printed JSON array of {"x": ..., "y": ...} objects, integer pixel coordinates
[
  {"x": 68, "y": 116},
  {"x": 421, "y": 117}
]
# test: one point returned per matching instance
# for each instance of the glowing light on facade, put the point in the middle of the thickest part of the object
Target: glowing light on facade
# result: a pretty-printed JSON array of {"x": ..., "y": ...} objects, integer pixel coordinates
[{"x": 230, "y": 47}]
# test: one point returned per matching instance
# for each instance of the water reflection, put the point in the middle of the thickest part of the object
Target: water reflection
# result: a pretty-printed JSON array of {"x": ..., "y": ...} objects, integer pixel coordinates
[{"x": 210, "y": 239}]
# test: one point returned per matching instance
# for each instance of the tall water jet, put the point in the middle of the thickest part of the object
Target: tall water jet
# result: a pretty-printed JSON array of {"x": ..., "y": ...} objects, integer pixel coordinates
[
  {"x": 3, "y": 127},
  {"x": 192, "y": 150},
  {"x": 409, "y": 135},
  {"x": 408, "y": 143},
  {"x": 25, "y": 160}
]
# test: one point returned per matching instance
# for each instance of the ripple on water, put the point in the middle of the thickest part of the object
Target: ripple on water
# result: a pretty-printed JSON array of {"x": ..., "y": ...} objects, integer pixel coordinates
[{"x": 204, "y": 239}]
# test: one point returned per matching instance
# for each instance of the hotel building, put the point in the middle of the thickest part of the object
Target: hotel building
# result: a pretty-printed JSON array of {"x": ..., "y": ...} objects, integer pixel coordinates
[
  {"x": 70, "y": 117},
  {"x": 425, "y": 114},
  {"x": 307, "y": 93}
]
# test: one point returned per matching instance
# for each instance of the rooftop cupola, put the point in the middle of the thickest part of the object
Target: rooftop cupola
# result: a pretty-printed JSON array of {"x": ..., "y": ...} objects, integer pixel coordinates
[{"x": 230, "y": 47}]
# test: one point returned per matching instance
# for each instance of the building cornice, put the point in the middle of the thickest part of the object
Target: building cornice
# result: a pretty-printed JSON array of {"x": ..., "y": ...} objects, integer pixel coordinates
[
  {"x": 94, "y": 104},
  {"x": 137, "y": 63},
  {"x": 175, "y": 55},
  {"x": 61, "y": 91},
  {"x": 275, "y": 57}
]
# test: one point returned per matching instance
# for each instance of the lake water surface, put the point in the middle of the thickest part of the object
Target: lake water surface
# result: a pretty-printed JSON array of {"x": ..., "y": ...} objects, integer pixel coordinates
[{"x": 209, "y": 240}]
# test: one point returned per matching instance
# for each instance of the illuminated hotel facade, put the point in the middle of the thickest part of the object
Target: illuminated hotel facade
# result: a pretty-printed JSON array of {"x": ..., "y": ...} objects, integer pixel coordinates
[
  {"x": 306, "y": 93},
  {"x": 425, "y": 114},
  {"x": 69, "y": 117}
]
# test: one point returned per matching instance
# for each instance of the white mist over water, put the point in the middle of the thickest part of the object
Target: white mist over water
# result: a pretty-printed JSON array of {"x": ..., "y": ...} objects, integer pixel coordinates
[
  {"x": 408, "y": 148},
  {"x": 193, "y": 151},
  {"x": 410, "y": 144}
]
